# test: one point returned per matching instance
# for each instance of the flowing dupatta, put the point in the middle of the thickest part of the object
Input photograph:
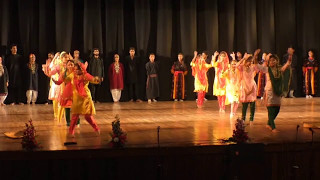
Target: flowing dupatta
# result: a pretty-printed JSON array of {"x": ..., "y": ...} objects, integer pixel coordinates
[
  {"x": 279, "y": 85},
  {"x": 222, "y": 67},
  {"x": 80, "y": 81},
  {"x": 200, "y": 70}
]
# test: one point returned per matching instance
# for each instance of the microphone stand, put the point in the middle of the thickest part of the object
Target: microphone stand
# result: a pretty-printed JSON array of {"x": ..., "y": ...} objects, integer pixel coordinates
[{"x": 159, "y": 165}]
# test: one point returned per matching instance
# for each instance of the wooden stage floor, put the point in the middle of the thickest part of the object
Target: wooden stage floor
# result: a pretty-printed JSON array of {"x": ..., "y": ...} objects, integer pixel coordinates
[{"x": 182, "y": 124}]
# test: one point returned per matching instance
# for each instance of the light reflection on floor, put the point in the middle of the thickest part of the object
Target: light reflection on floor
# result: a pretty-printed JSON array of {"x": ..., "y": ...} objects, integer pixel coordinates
[{"x": 182, "y": 124}]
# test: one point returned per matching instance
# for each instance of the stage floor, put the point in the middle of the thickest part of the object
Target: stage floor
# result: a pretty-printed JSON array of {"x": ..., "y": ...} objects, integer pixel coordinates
[{"x": 181, "y": 124}]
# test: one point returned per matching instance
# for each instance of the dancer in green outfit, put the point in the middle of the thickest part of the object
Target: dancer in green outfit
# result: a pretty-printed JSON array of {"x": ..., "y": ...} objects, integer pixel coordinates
[{"x": 277, "y": 83}]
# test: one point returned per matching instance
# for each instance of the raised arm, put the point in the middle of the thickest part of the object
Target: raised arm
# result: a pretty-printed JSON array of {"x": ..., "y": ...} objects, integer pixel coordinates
[
  {"x": 287, "y": 64},
  {"x": 194, "y": 59},
  {"x": 214, "y": 58},
  {"x": 246, "y": 56},
  {"x": 255, "y": 56}
]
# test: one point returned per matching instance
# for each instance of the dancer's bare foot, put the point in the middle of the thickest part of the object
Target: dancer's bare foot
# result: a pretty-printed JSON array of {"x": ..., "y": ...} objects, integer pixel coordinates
[
  {"x": 275, "y": 130},
  {"x": 98, "y": 133},
  {"x": 71, "y": 135},
  {"x": 269, "y": 127},
  {"x": 251, "y": 123}
]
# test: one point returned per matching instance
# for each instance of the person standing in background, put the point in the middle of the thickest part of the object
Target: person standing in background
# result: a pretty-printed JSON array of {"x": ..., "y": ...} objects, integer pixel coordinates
[
  {"x": 96, "y": 68},
  {"x": 179, "y": 70},
  {"x": 14, "y": 64},
  {"x": 309, "y": 69},
  {"x": 116, "y": 78},
  {"x": 132, "y": 62},
  {"x": 293, "y": 70},
  {"x": 32, "y": 80},
  {"x": 152, "y": 85},
  {"x": 261, "y": 82}
]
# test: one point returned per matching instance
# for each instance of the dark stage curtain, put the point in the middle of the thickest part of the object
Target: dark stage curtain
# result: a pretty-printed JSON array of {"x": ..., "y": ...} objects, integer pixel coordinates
[
  {"x": 4, "y": 24},
  {"x": 92, "y": 25},
  {"x": 163, "y": 27},
  {"x": 64, "y": 22},
  {"x": 265, "y": 25}
]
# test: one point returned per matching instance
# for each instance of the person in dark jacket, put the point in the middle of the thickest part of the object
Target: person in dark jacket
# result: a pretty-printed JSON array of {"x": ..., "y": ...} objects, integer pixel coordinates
[
  {"x": 293, "y": 70},
  {"x": 15, "y": 70},
  {"x": 131, "y": 69},
  {"x": 152, "y": 85},
  {"x": 96, "y": 68}
]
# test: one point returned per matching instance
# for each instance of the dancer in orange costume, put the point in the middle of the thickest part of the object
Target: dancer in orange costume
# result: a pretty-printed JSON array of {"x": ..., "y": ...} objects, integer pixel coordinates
[{"x": 199, "y": 71}]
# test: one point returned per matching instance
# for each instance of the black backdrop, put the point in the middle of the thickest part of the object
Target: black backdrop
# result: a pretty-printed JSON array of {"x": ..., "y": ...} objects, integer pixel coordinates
[{"x": 165, "y": 27}]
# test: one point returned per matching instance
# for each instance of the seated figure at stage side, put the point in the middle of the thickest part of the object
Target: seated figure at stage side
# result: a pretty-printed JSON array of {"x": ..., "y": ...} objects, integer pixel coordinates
[
  {"x": 82, "y": 101},
  {"x": 274, "y": 86},
  {"x": 219, "y": 86},
  {"x": 248, "y": 87},
  {"x": 199, "y": 71},
  {"x": 116, "y": 72},
  {"x": 4, "y": 82},
  {"x": 309, "y": 69},
  {"x": 152, "y": 85},
  {"x": 261, "y": 78},
  {"x": 232, "y": 76},
  {"x": 32, "y": 80},
  {"x": 179, "y": 70}
]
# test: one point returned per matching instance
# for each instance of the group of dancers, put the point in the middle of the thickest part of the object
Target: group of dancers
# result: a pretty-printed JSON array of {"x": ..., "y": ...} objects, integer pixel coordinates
[
  {"x": 234, "y": 82},
  {"x": 69, "y": 90}
]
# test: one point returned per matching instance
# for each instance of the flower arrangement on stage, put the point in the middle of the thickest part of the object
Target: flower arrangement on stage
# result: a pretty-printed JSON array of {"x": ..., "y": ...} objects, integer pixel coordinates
[
  {"x": 29, "y": 141},
  {"x": 239, "y": 134},
  {"x": 119, "y": 137}
]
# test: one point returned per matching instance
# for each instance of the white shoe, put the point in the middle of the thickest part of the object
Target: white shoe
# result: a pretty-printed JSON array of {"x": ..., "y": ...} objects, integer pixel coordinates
[
  {"x": 205, "y": 99},
  {"x": 310, "y": 96},
  {"x": 181, "y": 100},
  {"x": 154, "y": 100},
  {"x": 175, "y": 100},
  {"x": 149, "y": 101},
  {"x": 261, "y": 98},
  {"x": 307, "y": 96}
]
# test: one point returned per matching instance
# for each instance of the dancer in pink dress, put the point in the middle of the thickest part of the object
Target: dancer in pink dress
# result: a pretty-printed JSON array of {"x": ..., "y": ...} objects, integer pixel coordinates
[{"x": 248, "y": 86}]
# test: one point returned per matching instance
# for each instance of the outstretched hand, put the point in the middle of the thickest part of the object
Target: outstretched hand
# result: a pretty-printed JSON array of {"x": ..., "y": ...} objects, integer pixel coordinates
[
  {"x": 233, "y": 55},
  {"x": 246, "y": 56},
  {"x": 268, "y": 57},
  {"x": 256, "y": 52},
  {"x": 195, "y": 53}
]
